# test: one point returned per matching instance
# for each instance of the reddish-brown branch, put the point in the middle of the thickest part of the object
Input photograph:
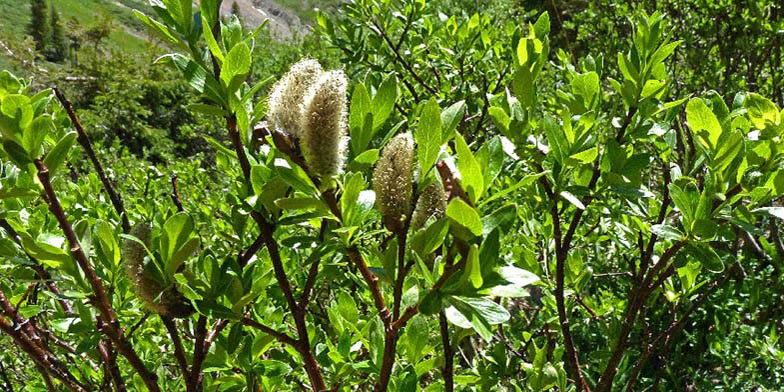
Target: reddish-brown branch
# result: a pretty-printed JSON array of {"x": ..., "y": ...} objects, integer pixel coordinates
[
  {"x": 449, "y": 356},
  {"x": 41, "y": 357},
  {"x": 675, "y": 327},
  {"x": 39, "y": 269},
  {"x": 199, "y": 353},
  {"x": 175, "y": 194},
  {"x": 637, "y": 300},
  {"x": 282, "y": 337},
  {"x": 84, "y": 141},
  {"x": 109, "y": 358},
  {"x": 111, "y": 325},
  {"x": 401, "y": 274},
  {"x": 399, "y": 58},
  {"x": 372, "y": 281},
  {"x": 179, "y": 350}
]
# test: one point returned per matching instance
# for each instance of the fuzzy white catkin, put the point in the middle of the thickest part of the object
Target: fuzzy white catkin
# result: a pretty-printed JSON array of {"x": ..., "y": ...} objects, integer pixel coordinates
[
  {"x": 171, "y": 303},
  {"x": 393, "y": 181},
  {"x": 285, "y": 100},
  {"x": 323, "y": 125},
  {"x": 431, "y": 203}
]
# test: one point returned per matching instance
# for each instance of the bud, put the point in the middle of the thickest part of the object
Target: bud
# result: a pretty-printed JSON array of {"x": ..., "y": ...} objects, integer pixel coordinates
[
  {"x": 323, "y": 127},
  {"x": 432, "y": 202},
  {"x": 171, "y": 303},
  {"x": 393, "y": 181},
  {"x": 285, "y": 101}
]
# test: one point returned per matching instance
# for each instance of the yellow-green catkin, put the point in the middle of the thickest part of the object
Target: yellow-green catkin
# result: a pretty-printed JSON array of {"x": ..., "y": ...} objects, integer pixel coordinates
[
  {"x": 323, "y": 138},
  {"x": 284, "y": 109},
  {"x": 431, "y": 203},
  {"x": 393, "y": 181},
  {"x": 171, "y": 303}
]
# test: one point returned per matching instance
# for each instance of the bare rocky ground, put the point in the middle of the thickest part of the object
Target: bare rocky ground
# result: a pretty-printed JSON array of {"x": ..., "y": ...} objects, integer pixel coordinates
[{"x": 282, "y": 23}]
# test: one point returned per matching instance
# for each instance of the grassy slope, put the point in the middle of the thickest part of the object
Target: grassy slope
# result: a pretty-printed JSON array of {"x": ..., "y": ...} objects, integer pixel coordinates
[{"x": 126, "y": 35}]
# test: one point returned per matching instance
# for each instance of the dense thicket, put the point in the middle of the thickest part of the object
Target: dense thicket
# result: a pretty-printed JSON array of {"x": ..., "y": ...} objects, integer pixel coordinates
[{"x": 442, "y": 195}]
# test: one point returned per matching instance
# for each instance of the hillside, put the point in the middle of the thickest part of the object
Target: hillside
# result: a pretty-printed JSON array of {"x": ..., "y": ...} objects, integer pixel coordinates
[{"x": 288, "y": 18}]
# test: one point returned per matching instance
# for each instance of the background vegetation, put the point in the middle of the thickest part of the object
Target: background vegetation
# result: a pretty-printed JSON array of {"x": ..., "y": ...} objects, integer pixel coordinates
[{"x": 623, "y": 160}]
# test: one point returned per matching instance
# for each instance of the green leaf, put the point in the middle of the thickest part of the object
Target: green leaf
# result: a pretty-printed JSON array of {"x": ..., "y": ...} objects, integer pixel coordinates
[
  {"x": 559, "y": 146},
  {"x": 761, "y": 111},
  {"x": 160, "y": 29},
  {"x": 209, "y": 38},
  {"x": 542, "y": 25},
  {"x": 418, "y": 336},
  {"x": 586, "y": 156},
  {"x": 777, "y": 212},
  {"x": 586, "y": 87},
  {"x": 176, "y": 242},
  {"x": 384, "y": 101},
  {"x": 361, "y": 109},
  {"x": 236, "y": 65},
  {"x": 703, "y": 123},
  {"x": 572, "y": 199},
  {"x": 35, "y": 133},
  {"x": 450, "y": 119},
  {"x": 706, "y": 255},
  {"x": 428, "y": 135},
  {"x": 473, "y": 270},
  {"x": 471, "y": 177},
  {"x": 481, "y": 313},
  {"x": 667, "y": 232},
  {"x": 197, "y": 77},
  {"x": 57, "y": 155},
  {"x": 464, "y": 216},
  {"x": 508, "y": 281}
]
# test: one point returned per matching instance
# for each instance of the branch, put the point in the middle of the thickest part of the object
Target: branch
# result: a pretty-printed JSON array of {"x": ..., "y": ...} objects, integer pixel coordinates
[
  {"x": 39, "y": 269},
  {"x": 198, "y": 354},
  {"x": 41, "y": 357},
  {"x": 402, "y": 61},
  {"x": 109, "y": 358},
  {"x": 401, "y": 273},
  {"x": 175, "y": 195},
  {"x": 282, "y": 337},
  {"x": 88, "y": 148},
  {"x": 179, "y": 351},
  {"x": 111, "y": 325},
  {"x": 675, "y": 327},
  {"x": 449, "y": 355},
  {"x": 638, "y": 298}
]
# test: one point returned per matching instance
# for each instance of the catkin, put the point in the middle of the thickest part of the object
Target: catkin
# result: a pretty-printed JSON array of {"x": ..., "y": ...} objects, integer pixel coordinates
[
  {"x": 285, "y": 100},
  {"x": 171, "y": 303},
  {"x": 393, "y": 181},
  {"x": 323, "y": 127},
  {"x": 431, "y": 203}
]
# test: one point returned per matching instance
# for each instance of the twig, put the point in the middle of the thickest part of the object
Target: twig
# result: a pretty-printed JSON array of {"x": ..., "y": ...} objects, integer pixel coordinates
[
  {"x": 282, "y": 337},
  {"x": 41, "y": 357},
  {"x": 109, "y": 358},
  {"x": 88, "y": 148},
  {"x": 175, "y": 194},
  {"x": 179, "y": 351},
  {"x": 449, "y": 355},
  {"x": 586, "y": 307},
  {"x": 111, "y": 324},
  {"x": 402, "y": 61},
  {"x": 39, "y": 269}
]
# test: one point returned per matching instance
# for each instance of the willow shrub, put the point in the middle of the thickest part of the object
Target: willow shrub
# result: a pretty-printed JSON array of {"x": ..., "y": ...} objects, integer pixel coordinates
[{"x": 347, "y": 250}]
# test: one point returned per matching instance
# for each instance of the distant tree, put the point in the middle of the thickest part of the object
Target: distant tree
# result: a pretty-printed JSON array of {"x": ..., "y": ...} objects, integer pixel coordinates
[
  {"x": 38, "y": 27},
  {"x": 74, "y": 34},
  {"x": 235, "y": 10},
  {"x": 57, "y": 45}
]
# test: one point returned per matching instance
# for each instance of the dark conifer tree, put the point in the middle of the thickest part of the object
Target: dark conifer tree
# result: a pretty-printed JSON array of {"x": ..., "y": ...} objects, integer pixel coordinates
[
  {"x": 57, "y": 44},
  {"x": 235, "y": 10},
  {"x": 38, "y": 27}
]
